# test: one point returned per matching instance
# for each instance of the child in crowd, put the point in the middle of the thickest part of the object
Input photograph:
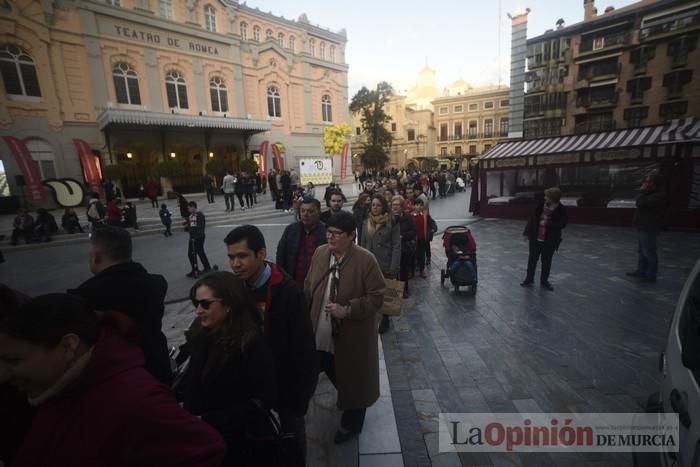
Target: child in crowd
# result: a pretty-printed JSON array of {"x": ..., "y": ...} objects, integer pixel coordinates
[{"x": 166, "y": 219}]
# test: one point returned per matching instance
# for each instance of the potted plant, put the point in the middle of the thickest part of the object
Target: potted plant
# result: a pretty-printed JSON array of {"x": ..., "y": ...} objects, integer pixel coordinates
[
  {"x": 166, "y": 171},
  {"x": 216, "y": 168}
]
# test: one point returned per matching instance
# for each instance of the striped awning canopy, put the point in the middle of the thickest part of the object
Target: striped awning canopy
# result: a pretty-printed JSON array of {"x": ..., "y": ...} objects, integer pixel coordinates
[
  {"x": 677, "y": 131},
  {"x": 143, "y": 118}
]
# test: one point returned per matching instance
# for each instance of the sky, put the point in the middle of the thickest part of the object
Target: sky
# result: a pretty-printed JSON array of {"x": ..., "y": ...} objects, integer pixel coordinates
[{"x": 391, "y": 41}]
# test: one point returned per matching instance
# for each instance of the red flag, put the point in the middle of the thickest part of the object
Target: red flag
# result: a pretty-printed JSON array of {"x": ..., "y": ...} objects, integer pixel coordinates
[
  {"x": 92, "y": 173},
  {"x": 278, "y": 157},
  {"x": 264, "y": 146},
  {"x": 344, "y": 161},
  {"x": 28, "y": 167}
]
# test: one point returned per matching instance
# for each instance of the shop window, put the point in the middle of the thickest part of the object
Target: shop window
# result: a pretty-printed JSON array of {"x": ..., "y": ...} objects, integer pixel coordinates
[
  {"x": 244, "y": 31},
  {"x": 18, "y": 71},
  {"x": 126, "y": 84},
  {"x": 166, "y": 8},
  {"x": 326, "y": 108},
  {"x": 210, "y": 18},
  {"x": 274, "y": 102},
  {"x": 219, "y": 98},
  {"x": 176, "y": 89},
  {"x": 411, "y": 135}
]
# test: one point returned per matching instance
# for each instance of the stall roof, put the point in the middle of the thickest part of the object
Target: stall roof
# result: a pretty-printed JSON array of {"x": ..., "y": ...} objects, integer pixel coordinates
[
  {"x": 682, "y": 130},
  {"x": 141, "y": 118}
]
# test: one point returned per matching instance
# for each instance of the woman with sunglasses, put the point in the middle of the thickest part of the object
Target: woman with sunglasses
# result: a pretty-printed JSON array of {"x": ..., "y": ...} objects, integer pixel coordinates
[{"x": 230, "y": 382}]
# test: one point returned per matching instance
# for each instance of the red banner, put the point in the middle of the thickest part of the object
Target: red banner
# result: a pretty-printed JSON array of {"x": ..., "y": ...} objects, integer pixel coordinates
[
  {"x": 344, "y": 161},
  {"x": 264, "y": 146},
  {"x": 278, "y": 157},
  {"x": 28, "y": 167},
  {"x": 92, "y": 173}
]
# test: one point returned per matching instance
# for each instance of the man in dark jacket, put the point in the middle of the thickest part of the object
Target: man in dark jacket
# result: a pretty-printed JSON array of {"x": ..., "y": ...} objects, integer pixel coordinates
[
  {"x": 120, "y": 284},
  {"x": 335, "y": 202},
  {"x": 287, "y": 326},
  {"x": 300, "y": 240},
  {"x": 195, "y": 226},
  {"x": 649, "y": 219}
]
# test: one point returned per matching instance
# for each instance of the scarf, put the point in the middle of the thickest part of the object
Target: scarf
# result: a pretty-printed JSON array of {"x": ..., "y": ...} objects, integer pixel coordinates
[
  {"x": 544, "y": 220},
  {"x": 376, "y": 221}
]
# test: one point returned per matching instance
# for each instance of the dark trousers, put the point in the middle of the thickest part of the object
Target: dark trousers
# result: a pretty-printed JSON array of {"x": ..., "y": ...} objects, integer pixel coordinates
[
  {"x": 291, "y": 424},
  {"x": 422, "y": 251},
  {"x": 538, "y": 249},
  {"x": 648, "y": 260},
  {"x": 26, "y": 233},
  {"x": 408, "y": 265},
  {"x": 240, "y": 199},
  {"x": 249, "y": 200},
  {"x": 210, "y": 196},
  {"x": 230, "y": 203},
  {"x": 154, "y": 202},
  {"x": 168, "y": 232},
  {"x": 352, "y": 419},
  {"x": 196, "y": 248}
]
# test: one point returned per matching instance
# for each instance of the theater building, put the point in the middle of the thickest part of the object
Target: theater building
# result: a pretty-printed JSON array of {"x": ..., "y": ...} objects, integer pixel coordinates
[{"x": 144, "y": 81}]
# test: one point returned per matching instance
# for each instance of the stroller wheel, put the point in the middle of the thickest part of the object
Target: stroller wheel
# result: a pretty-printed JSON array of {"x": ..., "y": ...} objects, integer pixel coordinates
[
  {"x": 442, "y": 277},
  {"x": 472, "y": 289}
]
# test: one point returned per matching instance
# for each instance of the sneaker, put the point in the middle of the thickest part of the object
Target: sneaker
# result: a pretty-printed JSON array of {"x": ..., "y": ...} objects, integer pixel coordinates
[{"x": 424, "y": 274}]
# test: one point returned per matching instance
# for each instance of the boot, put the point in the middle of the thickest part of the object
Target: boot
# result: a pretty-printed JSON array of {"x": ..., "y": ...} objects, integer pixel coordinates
[{"x": 384, "y": 326}]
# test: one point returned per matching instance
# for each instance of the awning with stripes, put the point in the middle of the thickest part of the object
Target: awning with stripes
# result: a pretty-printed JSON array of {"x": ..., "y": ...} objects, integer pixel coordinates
[{"x": 677, "y": 131}]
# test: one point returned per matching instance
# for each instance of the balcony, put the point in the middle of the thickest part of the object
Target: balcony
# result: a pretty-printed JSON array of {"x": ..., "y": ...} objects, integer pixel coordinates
[
  {"x": 661, "y": 28},
  {"x": 597, "y": 99},
  {"x": 599, "y": 71},
  {"x": 593, "y": 126},
  {"x": 600, "y": 43}
]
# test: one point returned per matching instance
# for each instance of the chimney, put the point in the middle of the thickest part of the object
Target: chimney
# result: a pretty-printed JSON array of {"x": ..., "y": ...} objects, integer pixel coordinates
[
  {"x": 589, "y": 10},
  {"x": 518, "y": 52}
]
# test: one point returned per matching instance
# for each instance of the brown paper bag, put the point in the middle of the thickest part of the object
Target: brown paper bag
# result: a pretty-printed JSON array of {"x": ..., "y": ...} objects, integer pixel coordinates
[{"x": 393, "y": 297}]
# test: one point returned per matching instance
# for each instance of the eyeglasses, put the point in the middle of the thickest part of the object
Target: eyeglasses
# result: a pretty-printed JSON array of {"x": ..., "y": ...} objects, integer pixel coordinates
[
  {"x": 334, "y": 233},
  {"x": 205, "y": 302}
]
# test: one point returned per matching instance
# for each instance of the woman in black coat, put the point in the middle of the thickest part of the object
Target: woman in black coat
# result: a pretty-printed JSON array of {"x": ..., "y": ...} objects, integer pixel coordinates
[
  {"x": 543, "y": 232},
  {"x": 230, "y": 382},
  {"x": 408, "y": 240}
]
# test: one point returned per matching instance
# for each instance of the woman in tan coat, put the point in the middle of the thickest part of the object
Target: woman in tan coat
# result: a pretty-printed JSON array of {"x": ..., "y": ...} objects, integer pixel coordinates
[{"x": 345, "y": 288}]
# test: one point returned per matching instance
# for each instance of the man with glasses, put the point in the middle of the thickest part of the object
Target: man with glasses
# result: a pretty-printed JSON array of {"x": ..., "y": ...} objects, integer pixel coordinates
[
  {"x": 286, "y": 325},
  {"x": 343, "y": 317},
  {"x": 300, "y": 240}
]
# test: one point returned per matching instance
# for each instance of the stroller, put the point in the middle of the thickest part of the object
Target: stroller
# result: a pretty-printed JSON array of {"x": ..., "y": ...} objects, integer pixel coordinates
[{"x": 460, "y": 249}]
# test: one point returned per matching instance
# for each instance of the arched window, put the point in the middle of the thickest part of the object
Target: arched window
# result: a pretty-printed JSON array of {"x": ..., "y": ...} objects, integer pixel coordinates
[
  {"x": 274, "y": 103},
  {"x": 268, "y": 35},
  {"x": 210, "y": 18},
  {"x": 219, "y": 100},
  {"x": 126, "y": 84},
  {"x": 312, "y": 47},
  {"x": 292, "y": 43},
  {"x": 244, "y": 31},
  {"x": 18, "y": 71},
  {"x": 256, "y": 33},
  {"x": 43, "y": 157},
  {"x": 176, "y": 88},
  {"x": 332, "y": 54},
  {"x": 326, "y": 114},
  {"x": 280, "y": 40},
  {"x": 322, "y": 50},
  {"x": 166, "y": 9}
]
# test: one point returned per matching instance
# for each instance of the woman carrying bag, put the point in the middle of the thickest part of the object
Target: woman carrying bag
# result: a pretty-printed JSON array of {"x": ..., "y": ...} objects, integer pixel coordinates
[{"x": 381, "y": 235}]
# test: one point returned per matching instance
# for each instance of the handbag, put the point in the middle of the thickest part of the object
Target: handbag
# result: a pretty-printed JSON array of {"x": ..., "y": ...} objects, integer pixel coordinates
[
  {"x": 276, "y": 448},
  {"x": 393, "y": 297}
]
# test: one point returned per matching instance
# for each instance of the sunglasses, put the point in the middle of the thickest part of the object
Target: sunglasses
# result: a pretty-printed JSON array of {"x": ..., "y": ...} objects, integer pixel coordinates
[{"x": 205, "y": 303}]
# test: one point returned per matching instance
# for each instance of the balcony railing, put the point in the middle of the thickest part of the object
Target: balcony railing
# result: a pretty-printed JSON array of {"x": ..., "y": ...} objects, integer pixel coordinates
[
  {"x": 599, "y": 71},
  {"x": 595, "y": 125},
  {"x": 671, "y": 26},
  {"x": 604, "y": 42},
  {"x": 593, "y": 100}
]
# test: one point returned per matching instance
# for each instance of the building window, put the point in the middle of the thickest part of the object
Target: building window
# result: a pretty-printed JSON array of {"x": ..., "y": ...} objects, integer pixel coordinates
[
  {"x": 458, "y": 108},
  {"x": 504, "y": 127},
  {"x": 312, "y": 47},
  {"x": 358, "y": 131},
  {"x": 280, "y": 40},
  {"x": 640, "y": 56},
  {"x": 678, "y": 50},
  {"x": 18, "y": 71},
  {"x": 166, "y": 9},
  {"x": 219, "y": 98},
  {"x": 488, "y": 128},
  {"x": 458, "y": 130},
  {"x": 332, "y": 54},
  {"x": 675, "y": 81},
  {"x": 488, "y": 105},
  {"x": 636, "y": 87},
  {"x": 244, "y": 31},
  {"x": 176, "y": 89},
  {"x": 326, "y": 108},
  {"x": 43, "y": 157},
  {"x": 504, "y": 103},
  {"x": 113, "y": 2},
  {"x": 487, "y": 147},
  {"x": 472, "y": 149},
  {"x": 274, "y": 103},
  {"x": 472, "y": 128},
  {"x": 473, "y": 107},
  {"x": 443, "y": 151},
  {"x": 443, "y": 132},
  {"x": 635, "y": 115},
  {"x": 322, "y": 50},
  {"x": 444, "y": 110},
  {"x": 393, "y": 127},
  {"x": 210, "y": 18},
  {"x": 458, "y": 150},
  {"x": 268, "y": 35},
  {"x": 256, "y": 33},
  {"x": 411, "y": 135},
  {"x": 126, "y": 84},
  {"x": 292, "y": 43},
  {"x": 673, "y": 110}
]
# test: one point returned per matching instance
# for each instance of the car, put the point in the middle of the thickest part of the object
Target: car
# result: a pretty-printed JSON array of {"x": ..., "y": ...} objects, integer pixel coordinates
[{"x": 679, "y": 364}]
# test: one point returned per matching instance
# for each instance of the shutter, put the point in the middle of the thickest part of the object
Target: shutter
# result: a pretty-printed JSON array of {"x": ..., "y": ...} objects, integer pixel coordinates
[
  {"x": 182, "y": 94},
  {"x": 120, "y": 90},
  {"x": 31, "y": 80},
  {"x": 172, "y": 94},
  {"x": 134, "y": 93},
  {"x": 11, "y": 78}
]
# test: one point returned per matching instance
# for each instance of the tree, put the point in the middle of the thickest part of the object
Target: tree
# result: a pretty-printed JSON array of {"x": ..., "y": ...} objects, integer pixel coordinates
[
  {"x": 335, "y": 137},
  {"x": 370, "y": 105},
  {"x": 248, "y": 166},
  {"x": 216, "y": 167},
  {"x": 169, "y": 169}
]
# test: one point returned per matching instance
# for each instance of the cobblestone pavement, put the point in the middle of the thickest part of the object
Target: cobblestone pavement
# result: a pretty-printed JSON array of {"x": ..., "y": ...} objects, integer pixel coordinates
[{"x": 592, "y": 345}]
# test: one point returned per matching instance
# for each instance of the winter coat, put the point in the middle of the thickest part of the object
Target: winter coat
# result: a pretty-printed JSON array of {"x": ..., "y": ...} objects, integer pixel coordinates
[
  {"x": 407, "y": 228},
  {"x": 114, "y": 214},
  {"x": 116, "y": 415},
  {"x": 288, "y": 246},
  {"x": 129, "y": 289},
  {"x": 195, "y": 225},
  {"x": 223, "y": 384},
  {"x": 385, "y": 245},
  {"x": 165, "y": 217},
  {"x": 152, "y": 189},
  {"x": 651, "y": 210},
  {"x": 556, "y": 223},
  {"x": 361, "y": 286}
]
